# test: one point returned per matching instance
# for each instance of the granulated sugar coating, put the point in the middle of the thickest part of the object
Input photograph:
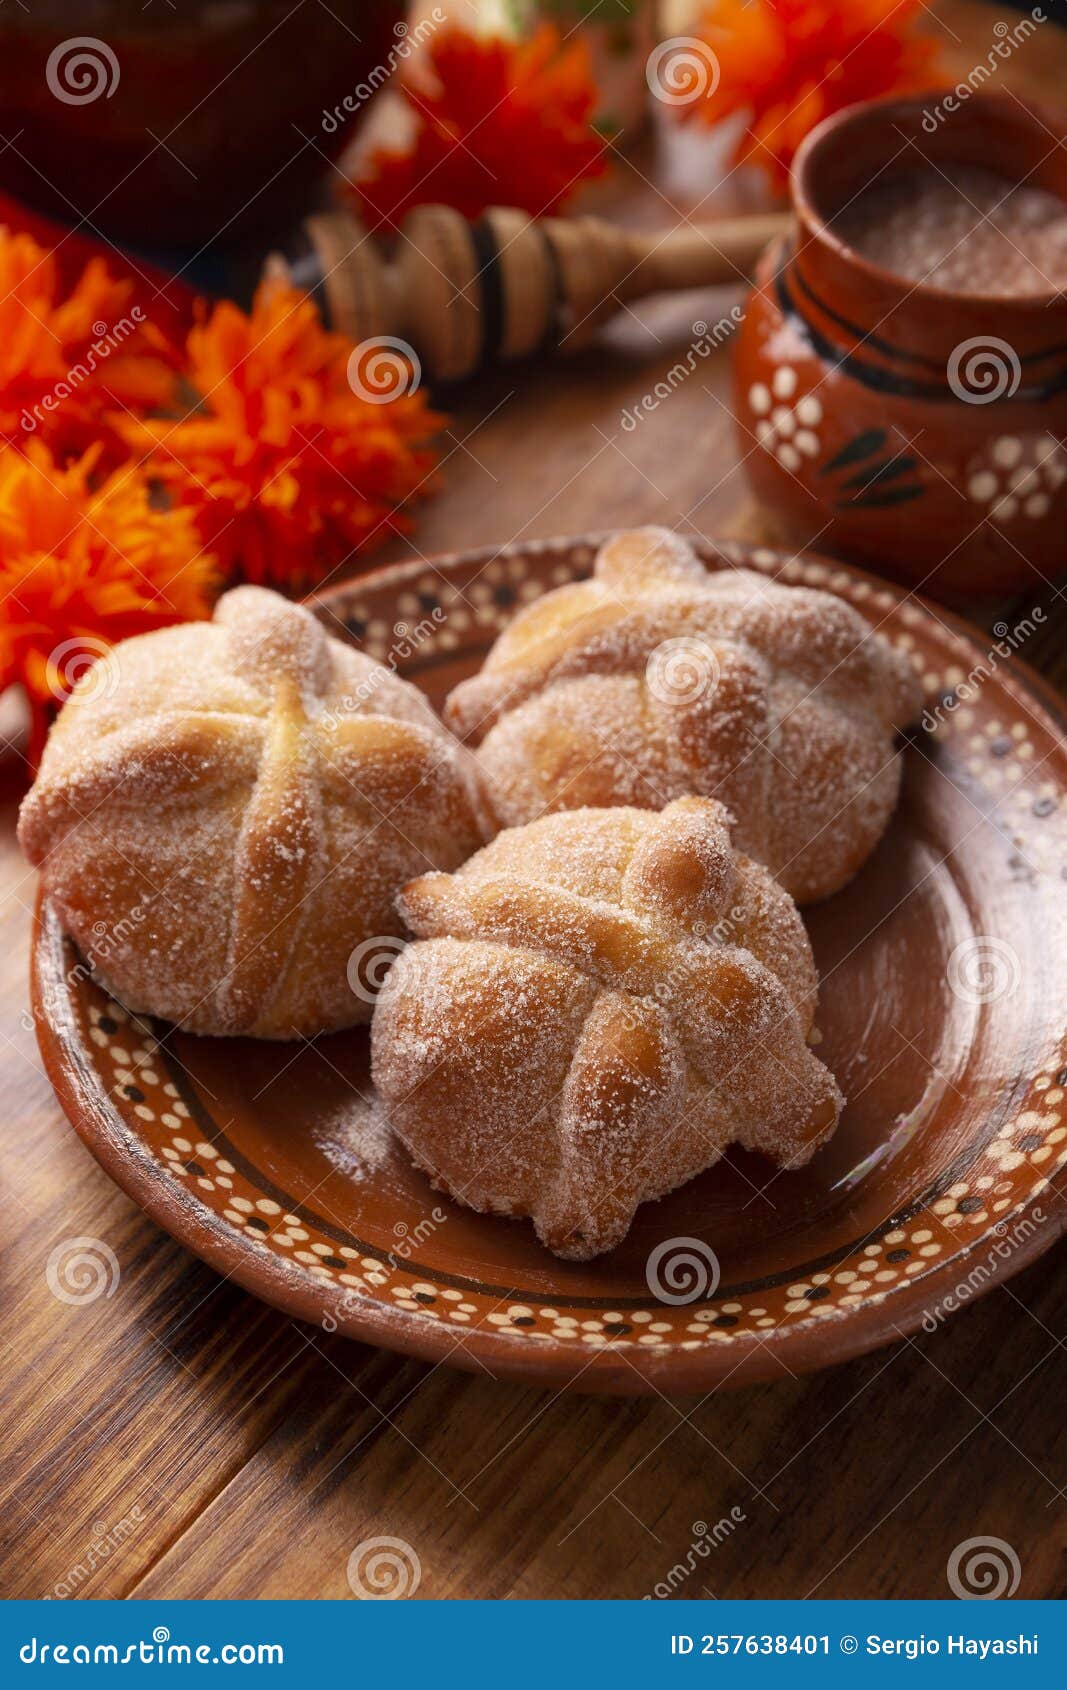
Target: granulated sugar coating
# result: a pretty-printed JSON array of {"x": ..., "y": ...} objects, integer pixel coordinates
[
  {"x": 225, "y": 810},
  {"x": 355, "y": 1139},
  {"x": 656, "y": 679},
  {"x": 598, "y": 1005}
]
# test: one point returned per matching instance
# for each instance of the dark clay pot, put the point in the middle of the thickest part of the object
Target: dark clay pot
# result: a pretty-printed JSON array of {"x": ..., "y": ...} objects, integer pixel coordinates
[
  {"x": 167, "y": 125},
  {"x": 905, "y": 426}
]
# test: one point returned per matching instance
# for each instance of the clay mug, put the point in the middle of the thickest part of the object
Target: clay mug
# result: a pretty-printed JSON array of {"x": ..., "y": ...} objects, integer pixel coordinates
[{"x": 908, "y": 427}]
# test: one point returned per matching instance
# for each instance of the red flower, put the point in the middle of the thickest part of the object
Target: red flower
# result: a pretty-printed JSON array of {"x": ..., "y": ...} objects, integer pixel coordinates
[
  {"x": 82, "y": 566},
  {"x": 790, "y": 63},
  {"x": 69, "y": 358},
  {"x": 496, "y": 123},
  {"x": 288, "y": 469}
]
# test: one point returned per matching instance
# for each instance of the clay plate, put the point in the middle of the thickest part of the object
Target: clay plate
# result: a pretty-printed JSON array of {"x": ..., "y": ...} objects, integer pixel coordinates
[{"x": 944, "y": 972}]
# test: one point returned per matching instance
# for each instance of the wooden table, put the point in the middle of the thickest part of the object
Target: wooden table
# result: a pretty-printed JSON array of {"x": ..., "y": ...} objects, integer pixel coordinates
[{"x": 226, "y": 1451}]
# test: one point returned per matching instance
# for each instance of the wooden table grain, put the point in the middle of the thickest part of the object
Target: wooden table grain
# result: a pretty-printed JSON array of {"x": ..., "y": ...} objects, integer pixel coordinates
[{"x": 178, "y": 1439}]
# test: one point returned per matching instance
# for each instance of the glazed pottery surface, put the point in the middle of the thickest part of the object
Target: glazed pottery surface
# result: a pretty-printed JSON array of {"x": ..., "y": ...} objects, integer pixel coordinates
[
  {"x": 944, "y": 981},
  {"x": 918, "y": 429}
]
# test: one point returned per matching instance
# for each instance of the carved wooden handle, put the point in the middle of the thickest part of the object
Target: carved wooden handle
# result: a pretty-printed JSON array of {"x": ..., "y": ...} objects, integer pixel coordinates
[{"x": 465, "y": 294}]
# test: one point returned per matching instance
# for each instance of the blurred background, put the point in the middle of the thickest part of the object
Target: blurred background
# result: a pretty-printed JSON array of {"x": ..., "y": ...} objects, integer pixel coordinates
[{"x": 159, "y": 161}]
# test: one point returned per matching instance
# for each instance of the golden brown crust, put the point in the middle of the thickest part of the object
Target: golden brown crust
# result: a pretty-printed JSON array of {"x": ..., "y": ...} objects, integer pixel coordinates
[
  {"x": 598, "y": 1005},
  {"x": 225, "y": 810},
  {"x": 656, "y": 678}
]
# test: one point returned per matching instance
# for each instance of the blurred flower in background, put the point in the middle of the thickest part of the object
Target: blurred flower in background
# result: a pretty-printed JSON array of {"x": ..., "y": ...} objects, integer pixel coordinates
[
  {"x": 85, "y": 562},
  {"x": 494, "y": 121},
  {"x": 286, "y": 470},
  {"x": 72, "y": 357},
  {"x": 787, "y": 64},
  {"x": 277, "y": 470}
]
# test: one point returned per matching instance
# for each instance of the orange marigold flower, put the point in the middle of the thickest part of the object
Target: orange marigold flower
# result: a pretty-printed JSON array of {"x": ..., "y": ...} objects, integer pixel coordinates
[
  {"x": 82, "y": 567},
  {"x": 495, "y": 123},
  {"x": 68, "y": 360},
  {"x": 289, "y": 467},
  {"x": 790, "y": 63}
]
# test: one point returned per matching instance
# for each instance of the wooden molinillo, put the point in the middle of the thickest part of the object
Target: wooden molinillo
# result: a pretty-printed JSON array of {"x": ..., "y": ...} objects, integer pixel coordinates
[{"x": 464, "y": 295}]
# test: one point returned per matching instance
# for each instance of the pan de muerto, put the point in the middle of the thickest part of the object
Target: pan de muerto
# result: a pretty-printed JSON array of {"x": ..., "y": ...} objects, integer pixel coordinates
[
  {"x": 600, "y": 1003},
  {"x": 657, "y": 678},
  {"x": 225, "y": 811}
]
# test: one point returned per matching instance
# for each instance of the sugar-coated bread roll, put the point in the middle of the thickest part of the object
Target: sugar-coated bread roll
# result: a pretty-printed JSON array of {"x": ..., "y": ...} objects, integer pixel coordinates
[
  {"x": 658, "y": 678},
  {"x": 225, "y": 811},
  {"x": 598, "y": 1004}
]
